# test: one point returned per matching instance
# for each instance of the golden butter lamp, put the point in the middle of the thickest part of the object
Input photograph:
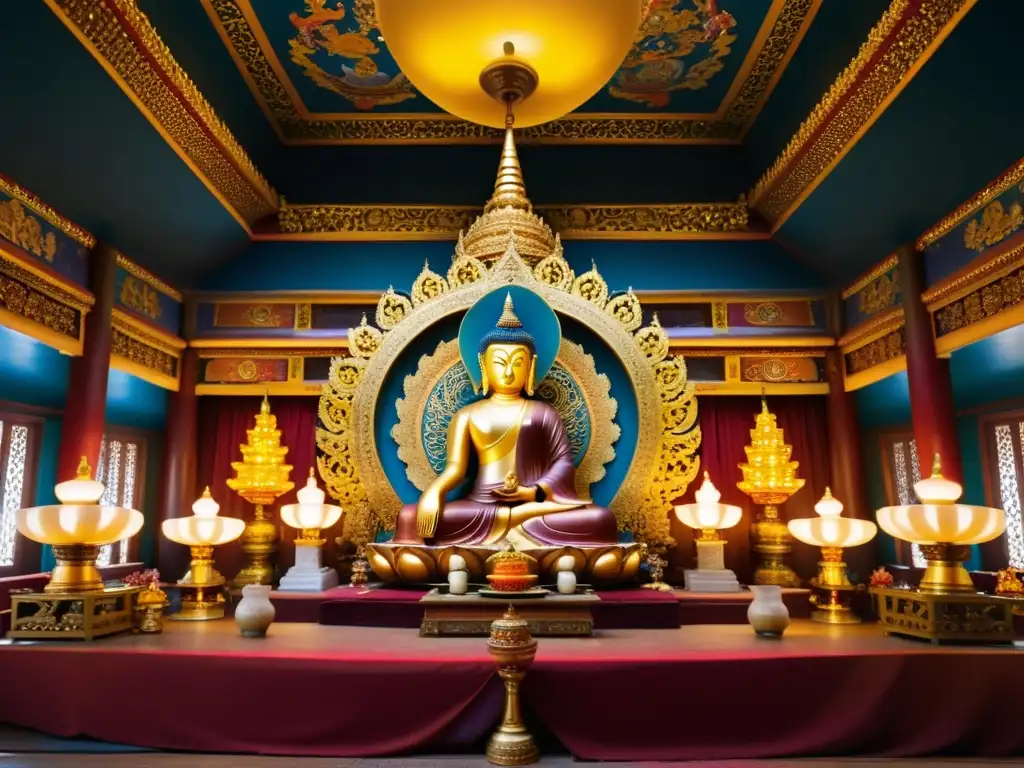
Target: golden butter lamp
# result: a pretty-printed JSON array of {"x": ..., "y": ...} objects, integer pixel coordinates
[
  {"x": 943, "y": 529},
  {"x": 833, "y": 533},
  {"x": 310, "y": 516},
  {"x": 77, "y": 528},
  {"x": 769, "y": 479},
  {"x": 260, "y": 477},
  {"x": 204, "y": 529},
  {"x": 709, "y": 516},
  {"x": 560, "y": 51}
]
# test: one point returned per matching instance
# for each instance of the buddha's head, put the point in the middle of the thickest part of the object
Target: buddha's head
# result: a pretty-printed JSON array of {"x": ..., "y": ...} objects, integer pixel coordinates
[{"x": 508, "y": 358}]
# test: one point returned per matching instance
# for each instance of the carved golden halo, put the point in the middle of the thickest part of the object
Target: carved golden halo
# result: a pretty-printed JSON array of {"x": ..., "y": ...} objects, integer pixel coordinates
[
  {"x": 596, "y": 389},
  {"x": 664, "y": 461}
]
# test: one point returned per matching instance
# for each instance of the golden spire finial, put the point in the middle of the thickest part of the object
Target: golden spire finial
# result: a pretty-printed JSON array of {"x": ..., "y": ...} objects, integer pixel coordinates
[
  {"x": 937, "y": 466},
  {"x": 84, "y": 471},
  {"x": 508, "y": 317},
  {"x": 265, "y": 405},
  {"x": 828, "y": 493},
  {"x": 206, "y": 493},
  {"x": 509, "y": 187},
  {"x": 764, "y": 399}
]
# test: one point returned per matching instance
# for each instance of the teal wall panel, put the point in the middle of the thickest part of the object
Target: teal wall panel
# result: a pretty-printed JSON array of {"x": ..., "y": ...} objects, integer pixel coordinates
[
  {"x": 644, "y": 265},
  {"x": 132, "y": 402},
  {"x": 30, "y": 372},
  {"x": 885, "y": 403}
]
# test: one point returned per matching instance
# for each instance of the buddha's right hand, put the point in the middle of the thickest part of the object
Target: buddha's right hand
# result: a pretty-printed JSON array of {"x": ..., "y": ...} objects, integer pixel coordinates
[{"x": 428, "y": 512}]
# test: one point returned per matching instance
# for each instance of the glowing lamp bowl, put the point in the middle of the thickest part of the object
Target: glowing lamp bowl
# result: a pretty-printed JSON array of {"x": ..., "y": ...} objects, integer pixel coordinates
[
  {"x": 76, "y": 532},
  {"x": 942, "y": 523},
  {"x": 573, "y": 48},
  {"x": 826, "y": 532},
  {"x": 198, "y": 531}
]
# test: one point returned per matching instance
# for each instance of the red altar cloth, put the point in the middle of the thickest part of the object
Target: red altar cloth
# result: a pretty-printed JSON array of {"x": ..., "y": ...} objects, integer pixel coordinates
[{"x": 624, "y": 695}]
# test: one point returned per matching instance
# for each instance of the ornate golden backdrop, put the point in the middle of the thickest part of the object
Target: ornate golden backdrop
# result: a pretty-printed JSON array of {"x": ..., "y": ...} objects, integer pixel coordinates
[{"x": 663, "y": 463}]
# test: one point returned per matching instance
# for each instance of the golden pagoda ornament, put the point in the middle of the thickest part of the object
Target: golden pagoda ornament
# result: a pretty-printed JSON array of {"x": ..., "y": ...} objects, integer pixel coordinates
[
  {"x": 260, "y": 477},
  {"x": 769, "y": 478}
]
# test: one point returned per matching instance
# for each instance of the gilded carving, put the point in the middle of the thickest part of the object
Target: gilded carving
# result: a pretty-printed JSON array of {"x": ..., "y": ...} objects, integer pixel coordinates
[
  {"x": 137, "y": 295},
  {"x": 876, "y": 352},
  {"x": 663, "y": 463},
  {"x": 579, "y": 221},
  {"x": 22, "y": 195},
  {"x": 900, "y": 43},
  {"x": 149, "y": 278},
  {"x": 879, "y": 294},
  {"x": 143, "y": 354},
  {"x": 428, "y": 285},
  {"x": 122, "y": 36},
  {"x": 984, "y": 302},
  {"x": 719, "y": 315},
  {"x": 25, "y": 231},
  {"x": 726, "y": 126},
  {"x": 885, "y": 265},
  {"x": 303, "y": 317},
  {"x": 261, "y": 316},
  {"x": 996, "y": 224},
  {"x": 1012, "y": 176},
  {"x": 973, "y": 276},
  {"x": 19, "y": 297},
  {"x": 762, "y": 313}
]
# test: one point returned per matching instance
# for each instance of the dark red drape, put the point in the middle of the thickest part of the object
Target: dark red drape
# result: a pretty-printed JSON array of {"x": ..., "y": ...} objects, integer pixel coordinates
[
  {"x": 725, "y": 423},
  {"x": 223, "y": 422}
]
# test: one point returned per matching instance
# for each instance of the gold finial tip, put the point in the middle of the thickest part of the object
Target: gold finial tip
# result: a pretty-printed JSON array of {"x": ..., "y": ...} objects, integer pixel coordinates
[
  {"x": 206, "y": 492},
  {"x": 508, "y": 48},
  {"x": 84, "y": 471},
  {"x": 265, "y": 405},
  {"x": 937, "y": 466},
  {"x": 828, "y": 493},
  {"x": 311, "y": 475},
  {"x": 508, "y": 317}
]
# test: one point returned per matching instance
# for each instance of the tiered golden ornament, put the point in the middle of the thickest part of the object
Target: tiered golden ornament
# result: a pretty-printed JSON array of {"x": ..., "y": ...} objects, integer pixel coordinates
[
  {"x": 260, "y": 477},
  {"x": 510, "y": 571},
  {"x": 769, "y": 478}
]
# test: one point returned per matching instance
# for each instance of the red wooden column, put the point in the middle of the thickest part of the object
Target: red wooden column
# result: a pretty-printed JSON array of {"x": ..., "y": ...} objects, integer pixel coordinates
[
  {"x": 179, "y": 475},
  {"x": 85, "y": 409},
  {"x": 931, "y": 389}
]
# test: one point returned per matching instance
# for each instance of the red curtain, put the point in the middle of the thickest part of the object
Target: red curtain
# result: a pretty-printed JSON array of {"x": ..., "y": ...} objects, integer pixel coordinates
[
  {"x": 223, "y": 422},
  {"x": 725, "y": 423}
]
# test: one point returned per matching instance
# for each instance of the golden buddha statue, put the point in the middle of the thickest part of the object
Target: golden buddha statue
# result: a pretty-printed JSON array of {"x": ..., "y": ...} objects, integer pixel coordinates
[{"x": 524, "y": 490}]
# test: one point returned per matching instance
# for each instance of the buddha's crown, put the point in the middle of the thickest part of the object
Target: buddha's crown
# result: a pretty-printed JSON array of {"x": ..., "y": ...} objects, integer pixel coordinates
[{"x": 508, "y": 330}]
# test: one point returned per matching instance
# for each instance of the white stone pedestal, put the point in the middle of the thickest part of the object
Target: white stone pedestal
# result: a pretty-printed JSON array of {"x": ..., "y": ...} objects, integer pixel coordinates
[
  {"x": 711, "y": 574},
  {"x": 307, "y": 575},
  {"x": 711, "y": 581}
]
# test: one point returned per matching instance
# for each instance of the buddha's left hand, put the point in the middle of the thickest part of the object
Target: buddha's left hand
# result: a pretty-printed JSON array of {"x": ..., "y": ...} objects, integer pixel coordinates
[{"x": 519, "y": 494}]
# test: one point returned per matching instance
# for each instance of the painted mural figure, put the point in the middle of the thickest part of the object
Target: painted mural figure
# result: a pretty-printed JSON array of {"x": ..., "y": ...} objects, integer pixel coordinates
[{"x": 524, "y": 491}]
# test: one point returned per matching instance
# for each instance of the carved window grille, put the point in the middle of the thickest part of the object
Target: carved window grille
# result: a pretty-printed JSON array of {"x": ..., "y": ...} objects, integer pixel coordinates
[
  {"x": 120, "y": 470},
  {"x": 18, "y": 436},
  {"x": 1003, "y": 435},
  {"x": 903, "y": 470}
]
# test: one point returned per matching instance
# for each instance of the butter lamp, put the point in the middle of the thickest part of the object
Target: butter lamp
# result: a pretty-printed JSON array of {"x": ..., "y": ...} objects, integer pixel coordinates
[
  {"x": 472, "y": 57},
  {"x": 709, "y": 516},
  {"x": 832, "y": 533},
  {"x": 310, "y": 516},
  {"x": 203, "y": 530},
  {"x": 77, "y": 528},
  {"x": 943, "y": 529}
]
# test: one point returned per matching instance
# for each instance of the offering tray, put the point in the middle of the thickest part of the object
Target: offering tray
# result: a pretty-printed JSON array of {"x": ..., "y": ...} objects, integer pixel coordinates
[{"x": 470, "y": 615}]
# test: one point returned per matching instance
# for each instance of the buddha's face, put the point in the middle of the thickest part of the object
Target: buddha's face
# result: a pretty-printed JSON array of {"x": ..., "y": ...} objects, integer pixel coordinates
[{"x": 507, "y": 367}]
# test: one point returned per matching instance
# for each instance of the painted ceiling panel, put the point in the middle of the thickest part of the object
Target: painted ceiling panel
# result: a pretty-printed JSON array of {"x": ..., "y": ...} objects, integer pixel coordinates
[
  {"x": 75, "y": 140},
  {"x": 954, "y": 128}
]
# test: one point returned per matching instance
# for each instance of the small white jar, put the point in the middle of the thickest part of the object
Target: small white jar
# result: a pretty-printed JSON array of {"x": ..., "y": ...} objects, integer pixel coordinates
[{"x": 565, "y": 580}]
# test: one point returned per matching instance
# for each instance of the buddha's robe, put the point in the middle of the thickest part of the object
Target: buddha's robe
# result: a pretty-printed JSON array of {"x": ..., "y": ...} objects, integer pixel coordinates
[{"x": 540, "y": 456}]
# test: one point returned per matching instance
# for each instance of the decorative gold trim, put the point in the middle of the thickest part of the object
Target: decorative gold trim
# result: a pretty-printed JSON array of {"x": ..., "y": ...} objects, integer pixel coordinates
[
  {"x": 272, "y": 388},
  {"x": 663, "y": 463},
  {"x": 861, "y": 379},
  {"x": 70, "y": 345},
  {"x": 777, "y": 39},
  {"x": 1010, "y": 177},
  {"x": 752, "y": 352},
  {"x": 44, "y": 281},
  {"x": 875, "y": 327},
  {"x": 274, "y": 354},
  {"x": 703, "y": 388},
  {"x": 147, "y": 333},
  {"x": 122, "y": 40},
  {"x": 281, "y": 343},
  {"x": 862, "y": 282},
  {"x": 64, "y": 224},
  {"x": 280, "y": 297},
  {"x": 731, "y": 342},
  {"x": 144, "y": 372},
  {"x": 683, "y": 221},
  {"x": 897, "y": 47},
  {"x": 596, "y": 389},
  {"x": 980, "y": 329},
  {"x": 875, "y": 353},
  {"x": 149, "y": 278},
  {"x": 989, "y": 266}
]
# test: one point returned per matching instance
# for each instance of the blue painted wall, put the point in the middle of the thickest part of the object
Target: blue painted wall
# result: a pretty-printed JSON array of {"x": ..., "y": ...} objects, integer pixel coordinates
[
  {"x": 644, "y": 265},
  {"x": 33, "y": 374}
]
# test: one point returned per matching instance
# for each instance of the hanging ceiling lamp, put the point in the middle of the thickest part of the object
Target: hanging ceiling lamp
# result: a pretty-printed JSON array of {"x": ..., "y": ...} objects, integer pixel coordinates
[{"x": 472, "y": 57}]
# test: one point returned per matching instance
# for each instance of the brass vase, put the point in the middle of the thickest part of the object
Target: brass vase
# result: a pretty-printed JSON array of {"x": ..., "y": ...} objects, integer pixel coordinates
[{"x": 513, "y": 648}]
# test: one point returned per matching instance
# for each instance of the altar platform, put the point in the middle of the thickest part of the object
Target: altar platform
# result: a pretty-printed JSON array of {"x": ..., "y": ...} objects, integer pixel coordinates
[
  {"x": 691, "y": 693},
  {"x": 375, "y": 606}
]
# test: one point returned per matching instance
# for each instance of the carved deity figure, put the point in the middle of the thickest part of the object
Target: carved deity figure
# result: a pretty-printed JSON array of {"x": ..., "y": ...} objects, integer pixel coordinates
[{"x": 524, "y": 489}]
